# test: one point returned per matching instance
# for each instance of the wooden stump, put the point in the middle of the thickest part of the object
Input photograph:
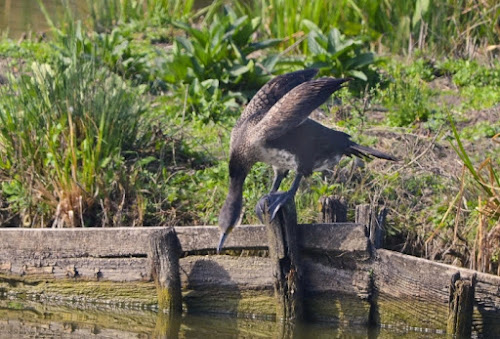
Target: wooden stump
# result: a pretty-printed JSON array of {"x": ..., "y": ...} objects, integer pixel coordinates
[
  {"x": 333, "y": 209},
  {"x": 460, "y": 306},
  {"x": 165, "y": 250},
  {"x": 374, "y": 222},
  {"x": 284, "y": 252}
]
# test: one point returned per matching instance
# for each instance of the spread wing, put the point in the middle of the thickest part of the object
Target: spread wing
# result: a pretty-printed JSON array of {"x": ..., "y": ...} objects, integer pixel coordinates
[
  {"x": 274, "y": 90},
  {"x": 294, "y": 107}
]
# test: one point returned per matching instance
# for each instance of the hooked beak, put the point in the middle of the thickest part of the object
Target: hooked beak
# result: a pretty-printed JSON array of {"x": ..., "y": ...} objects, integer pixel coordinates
[{"x": 223, "y": 237}]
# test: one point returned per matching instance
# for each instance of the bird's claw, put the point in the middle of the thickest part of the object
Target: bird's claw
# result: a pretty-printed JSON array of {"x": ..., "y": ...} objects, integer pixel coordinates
[{"x": 274, "y": 202}]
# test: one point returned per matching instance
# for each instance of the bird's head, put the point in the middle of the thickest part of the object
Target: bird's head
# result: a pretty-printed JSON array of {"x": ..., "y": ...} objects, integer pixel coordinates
[{"x": 229, "y": 217}]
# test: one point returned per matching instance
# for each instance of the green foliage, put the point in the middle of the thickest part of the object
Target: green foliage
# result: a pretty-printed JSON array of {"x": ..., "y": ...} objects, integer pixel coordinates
[
  {"x": 221, "y": 51},
  {"x": 408, "y": 99},
  {"x": 460, "y": 27},
  {"x": 335, "y": 54},
  {"x": 67, "y": 129},
  {"x": 209, "y": 102},
  {"x": 104, "y": 15},
  {"x": 214, "y": 63}
]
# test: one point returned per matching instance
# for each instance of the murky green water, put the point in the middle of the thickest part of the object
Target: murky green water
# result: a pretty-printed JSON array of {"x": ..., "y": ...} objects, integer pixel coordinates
[
  {"x": 22, "y": 319},
  {"x": 20, "y": 16}
]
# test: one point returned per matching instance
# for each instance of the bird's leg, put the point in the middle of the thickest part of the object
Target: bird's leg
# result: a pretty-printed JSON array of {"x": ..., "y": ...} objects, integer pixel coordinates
[
  {"x": 276, "y": 200},
  {"x": 279, "y": 175}
]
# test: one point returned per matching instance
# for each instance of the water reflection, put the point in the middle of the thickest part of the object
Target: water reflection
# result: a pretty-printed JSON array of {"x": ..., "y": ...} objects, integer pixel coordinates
[
  {"x": 21, "y": 318},
  {"x": 20, "y": 16}
]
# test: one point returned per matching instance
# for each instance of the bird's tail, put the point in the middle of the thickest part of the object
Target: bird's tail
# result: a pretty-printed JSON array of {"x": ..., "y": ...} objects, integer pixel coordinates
[{"x": 367, "y": 152}]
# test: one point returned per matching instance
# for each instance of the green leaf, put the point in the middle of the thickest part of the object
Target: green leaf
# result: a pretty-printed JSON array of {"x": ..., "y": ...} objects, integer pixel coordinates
[
  {"x": 184, "y": 42},
  {"x": 314, "y": 41},
  {"x": 421, "y": 8},
  {"x": 311, "y": 26},
  {"x": 238, "y": 70},
  {"x": 357, "y": 74},
  {"x": 261, "y": 45},
  {"x": 270, "y": 62},
  {"x": 360, "y": 61}
]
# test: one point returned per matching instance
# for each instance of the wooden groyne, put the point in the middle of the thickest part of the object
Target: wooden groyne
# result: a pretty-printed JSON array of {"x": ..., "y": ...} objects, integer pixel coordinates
[{"x": 344, "y": 278}]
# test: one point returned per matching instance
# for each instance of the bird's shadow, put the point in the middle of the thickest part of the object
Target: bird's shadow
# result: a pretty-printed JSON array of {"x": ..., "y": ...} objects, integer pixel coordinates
[{"x": 210, "y": 289}]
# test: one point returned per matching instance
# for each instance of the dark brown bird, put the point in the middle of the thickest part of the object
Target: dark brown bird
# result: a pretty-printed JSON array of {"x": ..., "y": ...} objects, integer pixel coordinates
[{"x": 275, "y": 129}]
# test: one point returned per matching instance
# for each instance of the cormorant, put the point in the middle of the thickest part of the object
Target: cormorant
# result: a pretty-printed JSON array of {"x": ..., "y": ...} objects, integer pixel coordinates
[{"x": 275, "y": 129}]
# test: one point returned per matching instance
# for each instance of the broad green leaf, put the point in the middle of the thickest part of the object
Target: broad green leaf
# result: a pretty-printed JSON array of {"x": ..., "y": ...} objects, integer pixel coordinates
[
  {"x": 314, "y": 43},
  {"x": 421, "y": 8},
  {"x": 261, "y": 45},
  {"x": 186, "y": 43},
  {"x": 270, "y": 62},
  {"x": 357, "y": 74},
  {"x": 238, "y": 70},
  {"x": 311, "y": 26},
  {"x": 360, "y": 61}
]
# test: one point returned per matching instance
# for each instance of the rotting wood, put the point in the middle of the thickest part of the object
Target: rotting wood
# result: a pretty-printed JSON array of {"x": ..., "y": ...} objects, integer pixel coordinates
[
  {"x": 165, "y": 251},
  {"x": 333, "y": 209},
  {"x": 411, "y": 291},
  {"x": 115, "y": 242},
  {"x": 119, "y": 254},
  {"x": 374, "y": 222},
  {"x": 287, "y": 274},
  {"x": 460, "y": 306},
  {"x": 403, "y": 281}
]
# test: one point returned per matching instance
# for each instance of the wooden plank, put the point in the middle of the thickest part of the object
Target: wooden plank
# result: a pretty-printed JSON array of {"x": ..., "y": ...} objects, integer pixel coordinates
[
  {"x": 419, "y": 289},
  {"x": 347, "y": 238},
  {"x": 134, "y": 241},
  {"x": 336, "y": 263}
]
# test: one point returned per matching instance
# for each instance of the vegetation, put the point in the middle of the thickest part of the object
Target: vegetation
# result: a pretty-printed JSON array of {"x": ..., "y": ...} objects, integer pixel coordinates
[{"x": 122, "y": 116}]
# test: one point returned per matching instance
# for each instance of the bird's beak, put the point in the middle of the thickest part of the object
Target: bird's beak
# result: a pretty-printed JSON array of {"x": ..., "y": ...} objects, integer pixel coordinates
[{"x": 223, "y": 237}]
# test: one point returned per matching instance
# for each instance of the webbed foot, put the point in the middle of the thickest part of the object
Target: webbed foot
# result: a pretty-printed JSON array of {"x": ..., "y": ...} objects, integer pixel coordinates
[{"x": 274, "y": 202}]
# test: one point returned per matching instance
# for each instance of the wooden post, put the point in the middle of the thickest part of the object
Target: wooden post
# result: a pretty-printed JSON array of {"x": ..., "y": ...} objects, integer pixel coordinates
[
  {"x": 333, "y": 209},
  {"x": 460, "y": 306},
  {"x": 284, "y": 252},
  {"x": 165, "y": 250},
  {"x": 374, "y": 223}
]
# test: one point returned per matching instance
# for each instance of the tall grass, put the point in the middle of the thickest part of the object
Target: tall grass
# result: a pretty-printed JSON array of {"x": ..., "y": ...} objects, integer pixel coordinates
[
  {"x": 461, "y": 27},
  {"x": 106, "y": 14},
  {"x": 65, "y": 128},
  {"x": 486, "y": 185}
]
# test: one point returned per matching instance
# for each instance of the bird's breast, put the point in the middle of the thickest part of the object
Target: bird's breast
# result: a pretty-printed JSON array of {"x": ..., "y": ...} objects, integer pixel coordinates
[
  {"x": 280, "y": 158},
  {"x": 326, "y": 163}
]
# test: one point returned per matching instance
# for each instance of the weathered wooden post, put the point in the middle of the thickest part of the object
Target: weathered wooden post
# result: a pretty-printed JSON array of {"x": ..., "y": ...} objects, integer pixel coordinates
[
  {"x": 374, "y": 222},
  {"x": 460, "y": 306},
  {"x": 333, "y": 209},
  {"x": 284, "y": 252},
  {"x": 165, "y": 250}
]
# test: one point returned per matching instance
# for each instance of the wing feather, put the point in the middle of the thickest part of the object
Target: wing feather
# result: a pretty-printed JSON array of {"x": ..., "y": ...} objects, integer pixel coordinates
[
  {"x": 274, "y": 90},
  {"x": 294, "y": 108}
]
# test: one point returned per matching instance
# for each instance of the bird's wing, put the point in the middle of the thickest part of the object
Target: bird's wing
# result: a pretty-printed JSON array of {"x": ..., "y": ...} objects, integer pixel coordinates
[
  {"x": 294, "y": 108},
  {"x": 274, "y": 90}
]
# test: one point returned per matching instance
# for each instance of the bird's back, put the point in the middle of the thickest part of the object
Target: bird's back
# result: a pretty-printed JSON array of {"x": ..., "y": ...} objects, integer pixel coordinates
[{"x": 314, "y": 146}]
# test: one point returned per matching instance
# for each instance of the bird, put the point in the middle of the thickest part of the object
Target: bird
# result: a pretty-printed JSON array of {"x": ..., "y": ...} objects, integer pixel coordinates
[{"x": 275, "y": 128}]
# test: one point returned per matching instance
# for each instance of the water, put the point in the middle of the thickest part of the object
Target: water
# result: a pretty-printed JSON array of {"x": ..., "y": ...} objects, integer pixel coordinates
[
  {"x": 22, "y": 16},
  {"x": 29, "y": 319}
]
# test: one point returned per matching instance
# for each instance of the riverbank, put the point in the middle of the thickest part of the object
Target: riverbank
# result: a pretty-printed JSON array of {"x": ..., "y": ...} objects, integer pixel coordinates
[{"x": 132, "y": 111}]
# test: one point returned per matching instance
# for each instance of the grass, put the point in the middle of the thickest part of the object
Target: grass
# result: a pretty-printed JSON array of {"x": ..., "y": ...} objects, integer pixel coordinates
[{"x": 124, "y": 118}]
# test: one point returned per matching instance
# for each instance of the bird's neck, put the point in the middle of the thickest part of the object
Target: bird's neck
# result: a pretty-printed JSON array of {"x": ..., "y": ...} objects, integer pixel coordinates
[{"x": 235, "y": 193}]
